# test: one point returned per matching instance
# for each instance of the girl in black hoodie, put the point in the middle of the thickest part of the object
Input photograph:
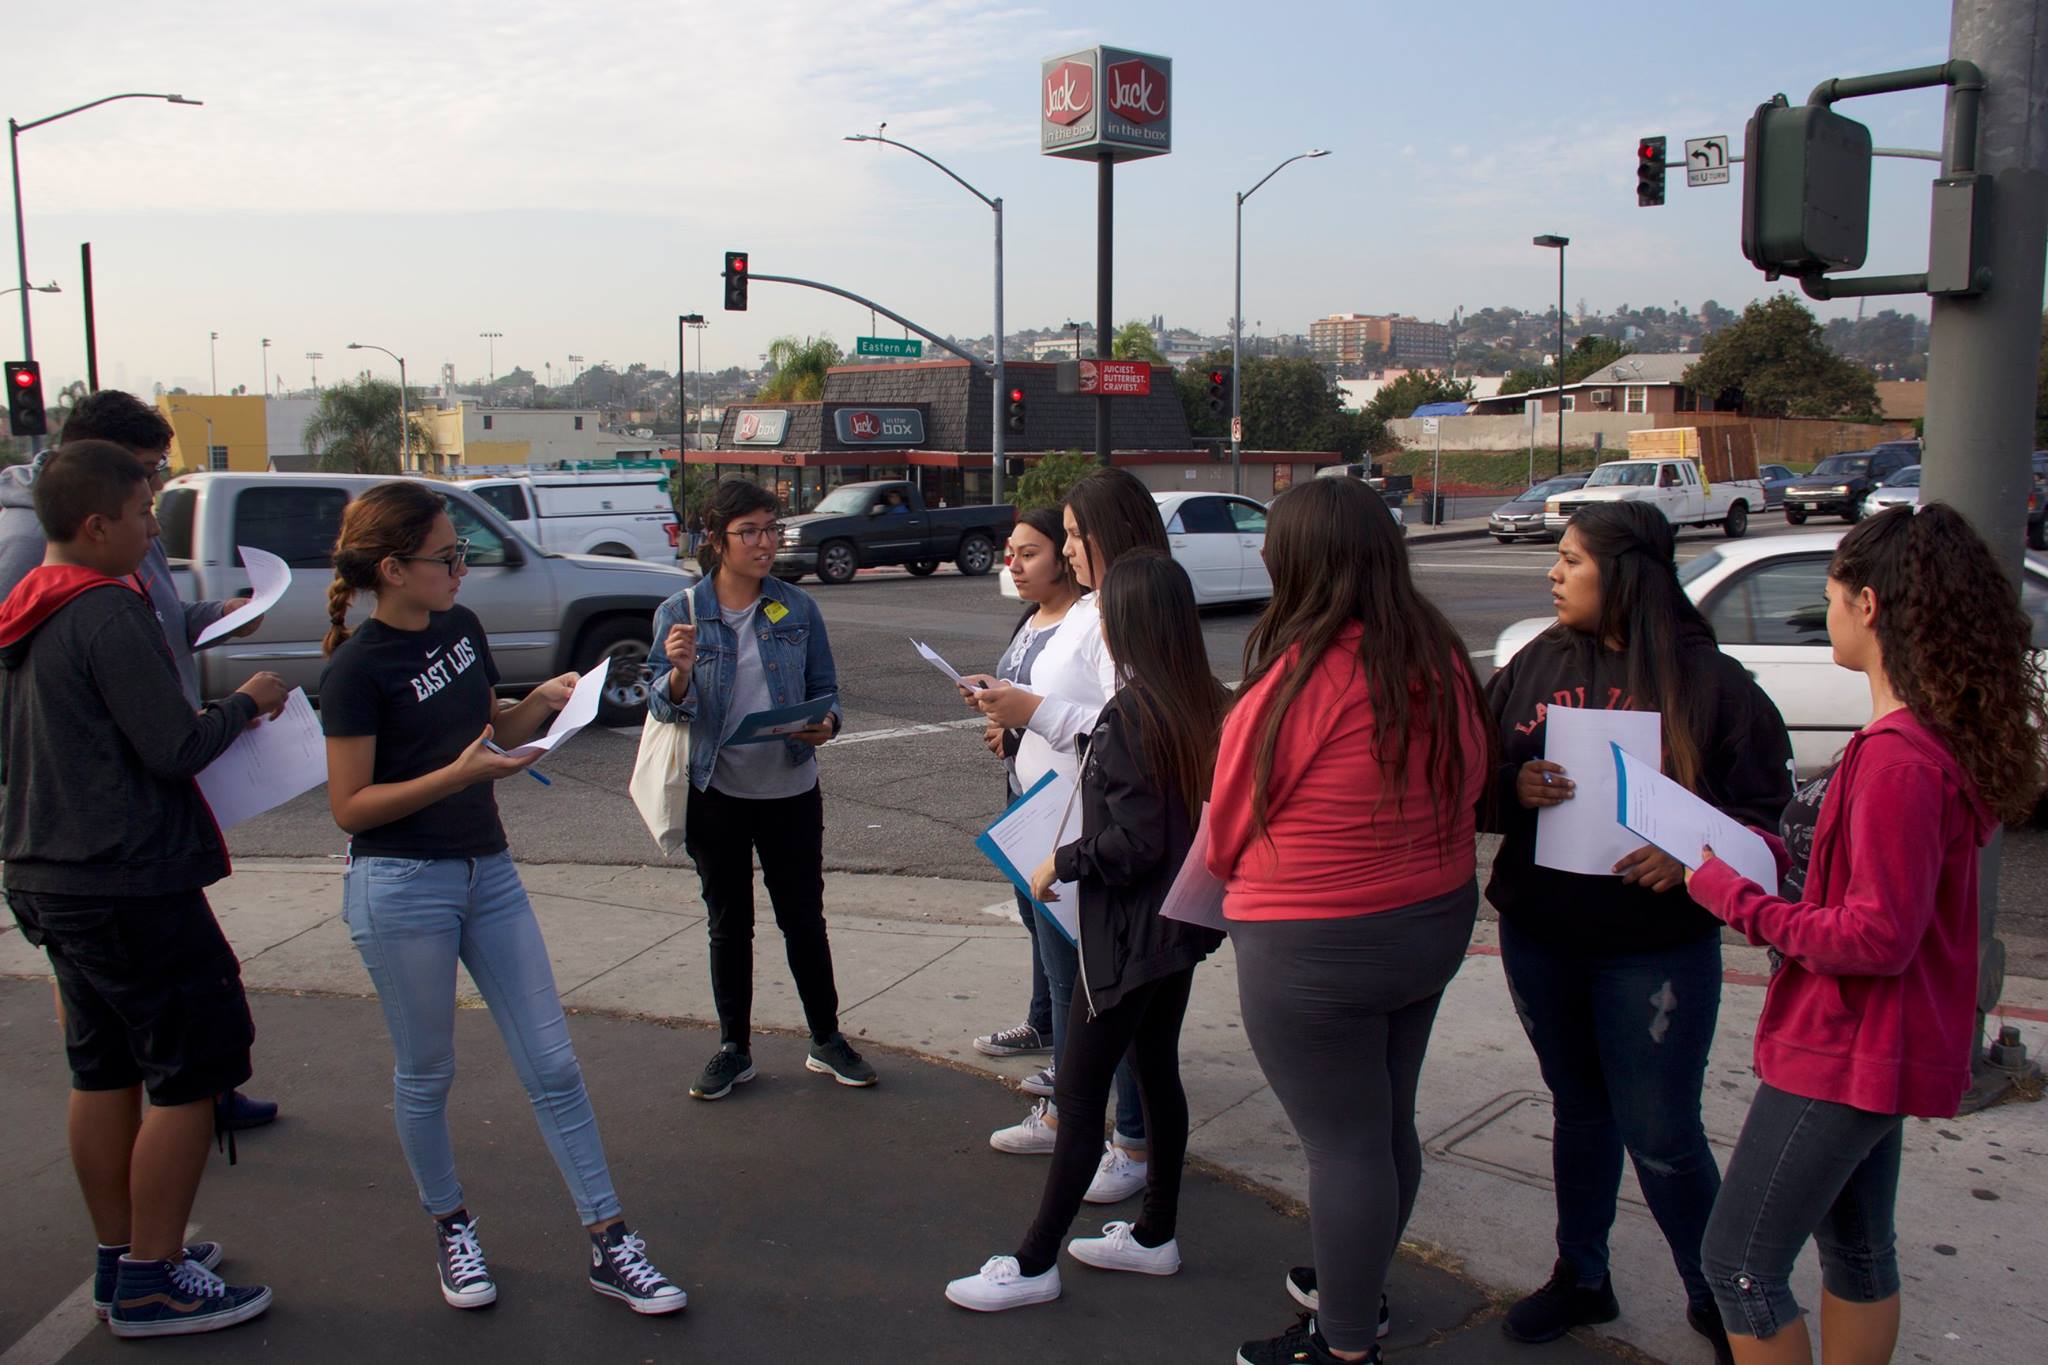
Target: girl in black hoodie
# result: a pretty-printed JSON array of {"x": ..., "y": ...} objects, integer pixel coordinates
[
  {"x": 1617, "y": 979},
  {"x": 1144, "y": 775}
]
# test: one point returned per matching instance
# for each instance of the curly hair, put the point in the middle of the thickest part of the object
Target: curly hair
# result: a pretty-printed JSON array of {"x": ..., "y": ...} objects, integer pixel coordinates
[
  {"x": 391, "y": 519},
  {"x": 1957, "y": 647}
]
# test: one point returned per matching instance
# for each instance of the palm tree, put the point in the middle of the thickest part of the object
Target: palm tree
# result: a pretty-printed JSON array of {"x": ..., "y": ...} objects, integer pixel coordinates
[
  {"x": 356, "y": 429},
  {"x": 799, "y": 369}
]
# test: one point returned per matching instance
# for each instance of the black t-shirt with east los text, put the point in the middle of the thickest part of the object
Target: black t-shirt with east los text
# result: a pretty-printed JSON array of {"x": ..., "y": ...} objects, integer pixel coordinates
[{"x": 425, "y": 695}]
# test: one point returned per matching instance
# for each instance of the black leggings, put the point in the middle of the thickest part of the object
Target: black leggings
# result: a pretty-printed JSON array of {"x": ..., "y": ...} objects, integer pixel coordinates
[{"x": 1146, "y": 1024}]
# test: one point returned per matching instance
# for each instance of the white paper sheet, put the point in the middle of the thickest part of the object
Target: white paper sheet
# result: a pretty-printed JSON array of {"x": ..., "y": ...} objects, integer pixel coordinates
[
  {"x": 1026, "y": 835},
  {"x": 1196, "y": 896},
  {"x": 269, "y": 576},
  {"x": 1681, "y": 823},
  {"x": 931, "y": 656},
  {"x": 1582, "y": 834},
  {"x": 268, "y": 765},
  {"x": 581, "y": 710}
]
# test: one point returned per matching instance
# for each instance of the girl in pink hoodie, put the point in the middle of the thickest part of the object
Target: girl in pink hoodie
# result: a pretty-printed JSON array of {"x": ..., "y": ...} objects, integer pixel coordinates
[{"x": 1871, "y": 1013}]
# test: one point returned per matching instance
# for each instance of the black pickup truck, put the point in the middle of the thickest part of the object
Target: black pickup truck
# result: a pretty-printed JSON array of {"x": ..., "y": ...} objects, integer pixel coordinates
[{"x": 863, "y": 525}]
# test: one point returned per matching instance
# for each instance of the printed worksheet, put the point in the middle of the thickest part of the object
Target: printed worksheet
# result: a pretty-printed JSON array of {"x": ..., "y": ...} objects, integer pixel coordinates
[
  {"x": 581, "y": 710},
  {"x": 1680, "y": 823},
  {"x": 1026, "y": 834},
  {"x": 1582, "y": 834},
  {"x": 267, "y": 765},
  {"x": 269, "y": 576}
]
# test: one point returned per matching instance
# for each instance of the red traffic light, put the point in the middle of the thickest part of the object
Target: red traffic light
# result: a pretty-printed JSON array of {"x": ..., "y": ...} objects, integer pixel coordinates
[
  {"x": 739, "y": 264},
  {"x": 1016, "y": 395},
  {"x": 1649, "y": 151},
  {"x": 24, "y": 379},
  {"x": 1215, "y": 376}
]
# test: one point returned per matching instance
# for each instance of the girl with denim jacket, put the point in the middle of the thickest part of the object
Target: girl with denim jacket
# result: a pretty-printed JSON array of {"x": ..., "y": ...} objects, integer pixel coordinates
[
  {"x": 741, "y": 641},
  {"x": 409, "y": 707}
]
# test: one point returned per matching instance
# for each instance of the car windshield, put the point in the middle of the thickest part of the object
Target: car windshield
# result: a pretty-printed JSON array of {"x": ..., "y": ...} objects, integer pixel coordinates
[
  {"x": 1631, "y": 475},
  {"x": 1546, "y": 489},
  {"x": 1698, "y": 565},
  {"x": 849, "y": 500},
  {"x": 1909, "y": 477},
  {"x": 1842, "y": 466}
]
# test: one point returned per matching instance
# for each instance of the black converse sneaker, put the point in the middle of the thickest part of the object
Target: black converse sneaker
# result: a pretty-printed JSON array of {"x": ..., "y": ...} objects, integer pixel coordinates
[
  {"x": 1301, "y": 1287},
  {"x": 728, "y": 1067},
  {"x": 465, "y": 1279},
  {"x": 619, "y": 1269}
]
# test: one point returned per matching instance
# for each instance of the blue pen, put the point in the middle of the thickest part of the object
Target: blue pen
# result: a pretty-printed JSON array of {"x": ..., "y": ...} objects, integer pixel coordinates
[{"x": 493, "y": 747}]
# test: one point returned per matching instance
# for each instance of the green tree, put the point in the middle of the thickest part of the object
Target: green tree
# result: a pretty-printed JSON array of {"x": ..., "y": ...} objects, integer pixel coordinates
[
  {"x": 1134, "y": 341},
  {"x": 1047, "y": 482},
  {"x": 1775, "y": 359},
  {"x": 689, "y": 488},
  {"x": 1412, "y": 390},
  {"x": 799, "y": 369},
  {"x": 356, "y": 430},
  {"x": 1288, "y": 403}
]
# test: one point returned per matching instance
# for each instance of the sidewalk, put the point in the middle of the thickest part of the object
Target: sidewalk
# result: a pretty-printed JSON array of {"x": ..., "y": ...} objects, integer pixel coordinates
[{"x": 923, "y": 966}]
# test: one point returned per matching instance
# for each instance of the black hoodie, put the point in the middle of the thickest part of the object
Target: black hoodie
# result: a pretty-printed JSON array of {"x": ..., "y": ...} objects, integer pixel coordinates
[
  {"x": 99, "y": 747},
  {"x": 1746, "y": 760}
]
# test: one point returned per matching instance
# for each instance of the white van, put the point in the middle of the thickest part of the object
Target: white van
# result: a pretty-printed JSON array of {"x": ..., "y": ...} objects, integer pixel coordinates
[{"x": 626, "y": 513}]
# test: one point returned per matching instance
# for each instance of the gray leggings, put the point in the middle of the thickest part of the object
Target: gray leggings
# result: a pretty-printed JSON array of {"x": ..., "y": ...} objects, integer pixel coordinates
[{"x": 1339, "y": 1013}]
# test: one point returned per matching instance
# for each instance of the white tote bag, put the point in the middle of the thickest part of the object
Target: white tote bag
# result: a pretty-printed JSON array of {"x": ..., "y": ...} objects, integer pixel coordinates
[{"x": 661, "y": 780}]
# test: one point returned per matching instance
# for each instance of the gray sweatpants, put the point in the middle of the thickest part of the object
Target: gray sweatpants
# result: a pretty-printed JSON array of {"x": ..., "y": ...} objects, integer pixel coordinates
[{"x": 1339, "y": 1013}]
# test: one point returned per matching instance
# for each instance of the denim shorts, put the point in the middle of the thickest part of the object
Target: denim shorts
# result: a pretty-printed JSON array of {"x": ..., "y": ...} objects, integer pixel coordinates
[{"x": 1804, "y": 1168}]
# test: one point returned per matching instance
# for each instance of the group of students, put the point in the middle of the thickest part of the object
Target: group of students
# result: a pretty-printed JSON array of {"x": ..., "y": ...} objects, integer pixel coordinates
[{"x": 1343, "y": 783}]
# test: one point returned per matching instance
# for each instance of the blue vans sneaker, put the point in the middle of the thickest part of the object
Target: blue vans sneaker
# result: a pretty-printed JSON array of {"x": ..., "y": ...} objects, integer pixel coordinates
[
  {"x": 619, "y": 1269},
  {"x": 177, "y": 1298},
  {"x": 208, "y": 1255}
]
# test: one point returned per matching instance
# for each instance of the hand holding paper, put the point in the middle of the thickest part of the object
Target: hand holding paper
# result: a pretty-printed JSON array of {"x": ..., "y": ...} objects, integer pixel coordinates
[
  {"x": 1681, "y": 824},
  {"x": 931, "y": 656},
  {"x": 581, "y": 710},
  {"x": 1582, "y": 834},
  {"x": 269, "y": 576}
]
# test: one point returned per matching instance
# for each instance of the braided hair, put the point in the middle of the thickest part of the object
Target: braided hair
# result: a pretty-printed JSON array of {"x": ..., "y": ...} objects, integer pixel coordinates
[{"x": 391, "y": 519}]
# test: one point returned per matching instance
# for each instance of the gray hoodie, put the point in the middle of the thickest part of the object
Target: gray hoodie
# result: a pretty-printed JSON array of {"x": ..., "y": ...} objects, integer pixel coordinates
[{"x": 21, "y": 549}]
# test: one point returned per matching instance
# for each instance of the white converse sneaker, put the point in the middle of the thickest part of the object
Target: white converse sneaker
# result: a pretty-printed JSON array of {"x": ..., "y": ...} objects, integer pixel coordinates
[
  {"x": 1118, "y": 1177},
  {"x": 1033, "y": 1137},
  {"x": 1119, "y": 1249},
  {"x": 1000, "y": 1284}
]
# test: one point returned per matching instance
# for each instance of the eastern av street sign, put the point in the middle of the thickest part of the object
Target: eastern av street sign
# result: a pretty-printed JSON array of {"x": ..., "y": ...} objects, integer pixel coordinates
[{"x": 889, "y": 346}]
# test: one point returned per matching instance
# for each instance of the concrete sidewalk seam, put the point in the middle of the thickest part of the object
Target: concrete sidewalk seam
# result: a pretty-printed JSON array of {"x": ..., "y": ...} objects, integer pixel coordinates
[
  {"x": 625, "y": 962},
  {"x": 845, "y": 1010}
]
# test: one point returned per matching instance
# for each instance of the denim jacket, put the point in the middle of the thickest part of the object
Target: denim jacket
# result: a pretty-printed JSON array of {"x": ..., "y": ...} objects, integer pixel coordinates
[{"x": 795, "y": 650}]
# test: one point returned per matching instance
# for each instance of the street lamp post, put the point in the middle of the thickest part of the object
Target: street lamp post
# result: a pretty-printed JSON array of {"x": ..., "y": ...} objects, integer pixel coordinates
[
  {"x": 213, "y": 360},
  {"x": 698, "y": 324},
  {"x": 491, "y": 350},
  {"x": 404, "y": 425},
  {"x": 316, "y": 357},
  {"x": 266, "y": 367},
  {"x": 1237, "y": 325},
  {"x": 50, "y": 288},
  {"x": 996, "y": 392},
  {"x": 1075, "y": 328},
  {"x": 1551, "y": 240},
  {"x": 683, "y": 325}
]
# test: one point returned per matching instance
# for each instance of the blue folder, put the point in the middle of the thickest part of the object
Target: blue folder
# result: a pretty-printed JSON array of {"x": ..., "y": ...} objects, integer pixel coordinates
[
  {"x": 993, "y": 851},
  {"x": 765, "y": 727}
]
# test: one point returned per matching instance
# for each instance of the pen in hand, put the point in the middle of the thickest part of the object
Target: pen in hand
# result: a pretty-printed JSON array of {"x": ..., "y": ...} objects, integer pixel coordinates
[{"x": 493, "y": 747}]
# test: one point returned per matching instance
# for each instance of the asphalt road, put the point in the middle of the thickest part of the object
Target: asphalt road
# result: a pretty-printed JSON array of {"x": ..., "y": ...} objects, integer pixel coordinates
[{"x": 908, "y": 785}]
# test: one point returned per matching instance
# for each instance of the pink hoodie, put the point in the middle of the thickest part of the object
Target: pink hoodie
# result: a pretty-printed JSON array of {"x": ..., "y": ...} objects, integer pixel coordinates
[{"x": 1875, "y": 1005}]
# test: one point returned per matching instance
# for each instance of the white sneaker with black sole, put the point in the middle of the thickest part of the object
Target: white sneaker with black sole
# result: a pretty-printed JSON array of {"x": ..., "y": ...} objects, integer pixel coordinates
[
  {"x": 1033, "y": 1137},
  {"x": 1118, "y": 1248},
  {"x": 1117, "y": 1178},
  {"x": 465, "y": 1279},
  {"x": 1001, "y": 1283}
]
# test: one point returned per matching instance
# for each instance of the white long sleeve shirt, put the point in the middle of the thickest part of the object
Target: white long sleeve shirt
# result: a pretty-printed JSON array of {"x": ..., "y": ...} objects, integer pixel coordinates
[{"x": 1075, "y": 676}]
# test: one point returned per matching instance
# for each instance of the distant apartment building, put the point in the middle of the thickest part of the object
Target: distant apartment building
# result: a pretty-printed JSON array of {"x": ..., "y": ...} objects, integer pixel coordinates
[
  {"x": 1063, "y": 346},
  {"x": 1342, "y": 338}
]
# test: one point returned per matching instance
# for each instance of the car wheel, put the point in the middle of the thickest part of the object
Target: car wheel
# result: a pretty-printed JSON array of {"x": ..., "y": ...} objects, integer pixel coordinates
[
  {"x": 1737, "y": 522},
  {"x": 1795, "y": 517},
  {"x": 924, "y": 568},
  {"x": 977, "y": 554},
  {"x": 620, "y": 645},
  {"x": 836, "y": 563}
]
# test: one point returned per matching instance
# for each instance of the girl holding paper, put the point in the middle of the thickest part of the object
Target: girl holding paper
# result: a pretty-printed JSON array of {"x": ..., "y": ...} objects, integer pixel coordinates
[
  {"x": 1871, "y": 1013},
  {"x": 1142, "y": 785},
  {"x": 1342, "y": 829},
  {"x": 408, "y": 708},
  {"x": 1617, "y": 978},
  {"x": 738, "y": 642}
]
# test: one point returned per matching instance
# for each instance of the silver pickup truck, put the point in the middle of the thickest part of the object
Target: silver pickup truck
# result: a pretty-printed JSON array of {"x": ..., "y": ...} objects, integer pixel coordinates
[{"x": 545, "y": 613}]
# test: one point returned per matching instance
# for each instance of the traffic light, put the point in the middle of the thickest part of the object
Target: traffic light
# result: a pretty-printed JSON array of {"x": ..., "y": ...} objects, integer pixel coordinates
[
  {"x": 1013, "y": 420},
  {"x": 1219, "y": 393},
  {"x": 735, "y": 281},
  {"x": 1650, "y": 172},
  {"x": 25, "y": 399}
]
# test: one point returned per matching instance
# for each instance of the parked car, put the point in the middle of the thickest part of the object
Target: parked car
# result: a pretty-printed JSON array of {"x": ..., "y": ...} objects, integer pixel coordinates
[
  {"x": 1522, "y": 515},
  {"x": 544, "y": 613},
  {"x": 627, "y": 514},
  {"x": 1768, "y": 605},
  {"x": 1676, "y": 487},
  {"x": 1839, "y": 484},
  {"x": 1219, "y": 538},
  {"x": 1776, "y": 479},
  {"x": 861, "y": 525},
  {"x": 1901, "y": 489}
]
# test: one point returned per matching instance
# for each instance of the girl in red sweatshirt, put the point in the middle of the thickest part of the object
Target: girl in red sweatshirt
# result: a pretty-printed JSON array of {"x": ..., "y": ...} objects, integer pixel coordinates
[{"x": 1871, "y": 1013}]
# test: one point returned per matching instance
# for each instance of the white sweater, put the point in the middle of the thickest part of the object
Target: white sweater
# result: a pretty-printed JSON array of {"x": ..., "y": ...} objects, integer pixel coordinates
[{"x": 1075, "y": 677}]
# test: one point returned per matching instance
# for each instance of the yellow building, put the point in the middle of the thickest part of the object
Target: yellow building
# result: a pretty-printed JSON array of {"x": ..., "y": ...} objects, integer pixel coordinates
[{"x": 217, "y": 431}]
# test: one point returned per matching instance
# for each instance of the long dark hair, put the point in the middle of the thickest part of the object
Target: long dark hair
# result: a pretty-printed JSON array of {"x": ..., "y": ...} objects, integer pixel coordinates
[
  {"x": 732, "y": 499},
  {"x": 1048, "y": 522},
  {"x": 1155, "y": 635},
  {"x": 1645, "y": 613},
  {"x": 1337, "y": 558},
  {"x": 391, "y": 519},
  {"x": 1118, "y": 514},
  {"x": 1957, "y": 647}
]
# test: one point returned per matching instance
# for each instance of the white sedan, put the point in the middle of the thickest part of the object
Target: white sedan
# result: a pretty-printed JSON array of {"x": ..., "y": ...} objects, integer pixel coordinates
[
  {"x": 1766, "y": 601},
  {"x": 1217, "y": 538}
]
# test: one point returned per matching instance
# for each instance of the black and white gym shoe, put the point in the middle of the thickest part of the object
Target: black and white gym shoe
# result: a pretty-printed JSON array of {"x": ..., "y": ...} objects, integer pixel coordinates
[
  {"x": 1301, "y": 1287},
  {"x": 465, "y": 1279},
  {"x": 836, "y": 1058},
  {"x": 1021, "y": 1041},
  {"x": 619, "y": 1269},
  {"x": 727, "y": 1068}
]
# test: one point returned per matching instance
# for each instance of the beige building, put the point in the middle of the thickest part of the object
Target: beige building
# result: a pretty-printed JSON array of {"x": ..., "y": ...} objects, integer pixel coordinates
[
  {"x": 1341, "y": 339},
  {"x": 471, "y": 434}
]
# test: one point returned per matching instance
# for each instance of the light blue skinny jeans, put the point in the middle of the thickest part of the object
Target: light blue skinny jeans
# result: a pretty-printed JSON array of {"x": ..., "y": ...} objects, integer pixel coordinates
[{"x": 412, "y": 919}]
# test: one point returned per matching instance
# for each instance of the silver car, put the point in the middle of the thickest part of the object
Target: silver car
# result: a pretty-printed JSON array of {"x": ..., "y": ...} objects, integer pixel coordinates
[{"x": 1900, "y": 490}]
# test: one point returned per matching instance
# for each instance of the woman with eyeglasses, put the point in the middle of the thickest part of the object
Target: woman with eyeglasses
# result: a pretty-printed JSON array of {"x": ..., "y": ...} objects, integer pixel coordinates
[
  {"x": 739, "y": 642},
  {"x": 413, "y": 726}
]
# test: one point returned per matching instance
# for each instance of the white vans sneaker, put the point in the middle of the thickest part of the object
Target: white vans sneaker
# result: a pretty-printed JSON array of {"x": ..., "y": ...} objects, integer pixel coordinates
[
  {"x": 1117, "y": 1178},
  {"x": 1000, "y": 1284},
  {"x": 1033, "y": 1137},
  {"x": 1119, "y": 1249}
]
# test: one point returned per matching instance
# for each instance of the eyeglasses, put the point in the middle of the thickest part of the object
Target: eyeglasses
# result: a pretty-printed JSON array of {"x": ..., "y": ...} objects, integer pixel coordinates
[
  {"x": 754, "y": 535},
  {"x": 453, "y": 561},
  {"x": 161, "y": 468}
]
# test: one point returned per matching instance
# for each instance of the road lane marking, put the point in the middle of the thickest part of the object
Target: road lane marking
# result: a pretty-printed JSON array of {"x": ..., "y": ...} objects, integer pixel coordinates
[
  {"x": 63, "y": 1327},
  {"x": 906, "y": 731}
]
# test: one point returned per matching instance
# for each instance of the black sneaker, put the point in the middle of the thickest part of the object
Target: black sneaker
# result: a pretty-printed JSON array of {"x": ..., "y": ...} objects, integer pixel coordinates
[
  {"x": 1300, "y": 1344},
  {"x": 465, "y": 1279},
  {"x": 178, "y": 1298},
  {"x": 619, "y": 1269},
  {"x": 836, "y": 1058},
  {"x": 1023, "y": 1040},
  {"x": 1707, "y": 1322},
  {"x": 727, "y": 1068},
  {"x": 108, "y": 1269},
  {"x": 1559, "y": 1306},
  {"x": 1301, "y": 1287}
]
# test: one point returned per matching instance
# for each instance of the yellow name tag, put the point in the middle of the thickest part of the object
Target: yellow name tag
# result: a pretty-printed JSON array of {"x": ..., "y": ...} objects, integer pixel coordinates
[{"x": 775, "y": 611}]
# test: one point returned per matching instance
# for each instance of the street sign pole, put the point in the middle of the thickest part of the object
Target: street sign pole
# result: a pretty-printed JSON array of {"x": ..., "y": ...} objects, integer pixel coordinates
[
  {"x": 997, "y": 393},
  {"x": 1105, "y": 247}
]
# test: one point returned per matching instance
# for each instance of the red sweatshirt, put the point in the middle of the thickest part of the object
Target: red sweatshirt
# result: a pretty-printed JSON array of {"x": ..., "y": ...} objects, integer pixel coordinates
[
  {"x": 1338, "y": 842},
  {"x": 1875, "y": 1005}
]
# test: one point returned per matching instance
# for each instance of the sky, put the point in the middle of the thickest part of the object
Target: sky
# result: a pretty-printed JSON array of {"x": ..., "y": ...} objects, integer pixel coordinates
[{"x": 411, "y": 175}]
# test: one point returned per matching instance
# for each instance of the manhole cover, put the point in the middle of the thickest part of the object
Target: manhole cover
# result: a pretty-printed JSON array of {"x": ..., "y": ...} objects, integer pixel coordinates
[{"x": 1509, "y": 1136}]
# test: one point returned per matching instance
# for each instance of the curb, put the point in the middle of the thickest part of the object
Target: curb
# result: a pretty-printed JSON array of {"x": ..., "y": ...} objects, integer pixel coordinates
[{"x": 1426, "y": 537}]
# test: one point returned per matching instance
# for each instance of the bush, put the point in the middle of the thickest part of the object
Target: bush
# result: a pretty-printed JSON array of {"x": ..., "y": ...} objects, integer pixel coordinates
[{"x": 1046, "y": 483}]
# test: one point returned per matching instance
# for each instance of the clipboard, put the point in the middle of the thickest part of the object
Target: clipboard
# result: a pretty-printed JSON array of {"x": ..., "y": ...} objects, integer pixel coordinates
[
  {"x": 764, "y": 727},
  {"x": 1018, "y": 834}
]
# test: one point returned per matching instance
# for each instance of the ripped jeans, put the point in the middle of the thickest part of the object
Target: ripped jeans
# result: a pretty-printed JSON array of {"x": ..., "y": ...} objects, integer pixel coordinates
[{"x": 1622, "y": 1039}]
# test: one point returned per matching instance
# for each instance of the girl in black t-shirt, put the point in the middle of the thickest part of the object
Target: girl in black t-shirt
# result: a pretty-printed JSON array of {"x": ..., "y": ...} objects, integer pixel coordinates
[{"x": 409, "y": 706}]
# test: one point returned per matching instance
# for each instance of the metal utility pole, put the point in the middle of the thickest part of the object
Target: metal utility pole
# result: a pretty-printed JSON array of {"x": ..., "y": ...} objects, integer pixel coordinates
[
  {"x": 1237, "y": 326},
  {"x": 266, "y": 367},
  {"x": 92, "y": 344},
  {"x": 213, "y": 361},
  {"x": 1560, "y": 243},
  {"x": 1105, "y": 250},
  {"x": 491, "y": 352}
]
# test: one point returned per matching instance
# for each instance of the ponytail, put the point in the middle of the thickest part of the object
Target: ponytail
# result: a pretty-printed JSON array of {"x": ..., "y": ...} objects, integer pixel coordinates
[{"x": 391, "y": 519}]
